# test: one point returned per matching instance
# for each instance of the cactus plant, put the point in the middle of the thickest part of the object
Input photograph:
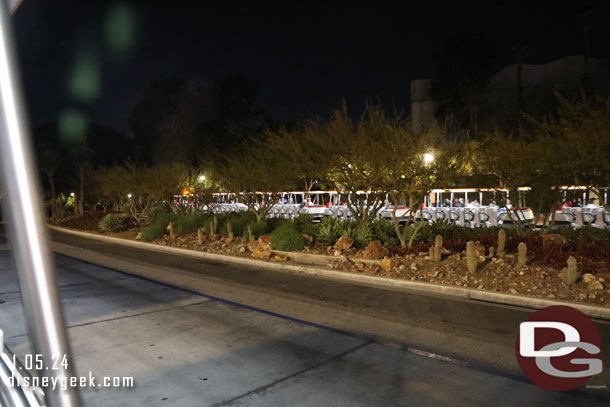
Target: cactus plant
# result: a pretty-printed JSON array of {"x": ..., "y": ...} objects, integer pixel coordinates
[
  {"x": 250, "y": 234},
  {"x": 569, "y": 274},
  {"x": 438, "y": 248},
  {"x": 431, "y": 253},
  {"x": 492, "y": 252},
  {"x": 215, "y": 225},
  {"x": 230, "y": 230},
  {"x": 501, "y": 242},
  {"x": 200, "y": 234},
  {"x": 522, "y": 254},
  {"x": 471, "y": 257},
  {"x": 170, "y": 229}
]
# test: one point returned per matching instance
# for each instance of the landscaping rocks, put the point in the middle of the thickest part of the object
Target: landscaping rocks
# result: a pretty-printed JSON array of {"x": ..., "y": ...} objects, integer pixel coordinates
[
  {"x": 344, "y": 243},
  {"x": 389, "y": 263},
  {"x": 343, "y": 262},
  {"x": 375, "y": 250},
  {"x": 261, "y": 254},
  {"x": 372, "y": 268},
  {"x": 264, "y": 242},
  {"x": 592, "y": 282}
]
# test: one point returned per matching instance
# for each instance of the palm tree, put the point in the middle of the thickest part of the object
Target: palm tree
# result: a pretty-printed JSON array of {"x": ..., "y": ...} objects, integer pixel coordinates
[
  {"x": 82, "y": 157},
  {"x": 49, "y": 160}
]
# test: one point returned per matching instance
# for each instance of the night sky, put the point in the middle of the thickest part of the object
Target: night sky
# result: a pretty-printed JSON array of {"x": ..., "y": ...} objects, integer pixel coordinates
[{"x": 96, "y": 57}]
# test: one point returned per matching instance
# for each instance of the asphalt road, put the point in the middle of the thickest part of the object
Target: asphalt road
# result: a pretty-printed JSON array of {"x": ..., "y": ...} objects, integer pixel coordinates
[{"x": 264, "y": 338}]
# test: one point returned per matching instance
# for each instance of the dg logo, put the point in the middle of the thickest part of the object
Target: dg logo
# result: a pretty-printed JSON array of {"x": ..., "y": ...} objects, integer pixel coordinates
[{"x": 559, "y": 348}]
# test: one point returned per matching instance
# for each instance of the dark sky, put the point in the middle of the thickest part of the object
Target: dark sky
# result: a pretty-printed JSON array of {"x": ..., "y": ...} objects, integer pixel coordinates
[{"x": 94, "y": 58}]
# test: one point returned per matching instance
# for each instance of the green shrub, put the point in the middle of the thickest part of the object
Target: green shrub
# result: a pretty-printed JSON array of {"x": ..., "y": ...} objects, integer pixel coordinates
[
  {"x": 425, "y": 234},
  {"x": 329, "y": 231},
  {"x": 310, "y": 229},
  {"x": 288, "y": 238},
  {"x": 442, "y": 227},
  {"x": 347, "y": 228},
  {"x": 240, "y": 223},
  {"x": 189, "y": 223},
  {"x": 274, "y": 223},
  {"x": 164, "y": 218},
  {"x": 158, "y": 228},
  {"x": 152, "y": 214},
  {"x": 385, "y": 232},
  {"x": 302, "y": 220},
  {"x": 113, "y": 222},
  {"x": 362, "y": 233},
  {"x": 602, "y": 234},
  {"x": 153, "y": 232},
  {"x": 258, "y": 229}
]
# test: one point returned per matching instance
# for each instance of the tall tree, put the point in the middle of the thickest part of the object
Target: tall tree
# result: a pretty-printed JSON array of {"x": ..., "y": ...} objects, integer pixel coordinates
[
  {"x": 163, "y": 121},
  {"x": 82, "y": 159},
  {"x": 301, "y": 152},
  {"x": 254, "y": 175},
  {"x": 110, "y": 146},
  {"x": 230, "y": 113}
]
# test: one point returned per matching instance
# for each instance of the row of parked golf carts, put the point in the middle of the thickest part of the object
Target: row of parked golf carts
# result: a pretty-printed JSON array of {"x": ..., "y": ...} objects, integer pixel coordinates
[{"x": 462, "y": 207}]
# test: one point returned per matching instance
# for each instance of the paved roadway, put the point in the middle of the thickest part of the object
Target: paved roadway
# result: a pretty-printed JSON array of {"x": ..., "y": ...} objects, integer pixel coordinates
[{"x": 319, "y": 343}]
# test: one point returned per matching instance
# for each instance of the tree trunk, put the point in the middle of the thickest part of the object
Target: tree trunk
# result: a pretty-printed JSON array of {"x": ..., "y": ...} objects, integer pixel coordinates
[
  {"x": 53, "y": 204},
  {"x": 81, "y": 201},
  {"x": 419, "y": 225},
  {"x": 399, "y": 233},
  {"x": 52, "y": 185}
]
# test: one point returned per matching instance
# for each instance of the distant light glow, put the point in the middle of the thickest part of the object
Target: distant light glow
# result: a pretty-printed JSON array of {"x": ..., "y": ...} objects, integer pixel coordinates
[
  {"x": 201, "y": 178},
  {"x": 85, "y": 82},
  {"x": 119, "y": 30},
  {"x": 428, "y": 158},
  {"x": 72, "y": 194},
  {"x": 129, "y": 196}
]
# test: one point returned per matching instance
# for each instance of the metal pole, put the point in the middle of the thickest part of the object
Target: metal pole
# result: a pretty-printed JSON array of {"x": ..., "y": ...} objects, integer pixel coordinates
[{"x": 27, "y": 231}]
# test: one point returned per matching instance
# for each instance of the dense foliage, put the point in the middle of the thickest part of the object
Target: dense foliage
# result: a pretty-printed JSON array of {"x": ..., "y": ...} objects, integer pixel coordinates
[{"x": 287, "y": 237}]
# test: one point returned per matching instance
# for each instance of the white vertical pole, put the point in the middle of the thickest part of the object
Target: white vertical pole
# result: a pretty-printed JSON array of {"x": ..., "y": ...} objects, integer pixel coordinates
[{"x": 27, "y": 231}]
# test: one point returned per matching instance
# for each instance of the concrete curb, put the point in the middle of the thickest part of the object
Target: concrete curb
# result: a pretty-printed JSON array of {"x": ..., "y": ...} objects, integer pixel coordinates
[{"x": 383, "y": 282}]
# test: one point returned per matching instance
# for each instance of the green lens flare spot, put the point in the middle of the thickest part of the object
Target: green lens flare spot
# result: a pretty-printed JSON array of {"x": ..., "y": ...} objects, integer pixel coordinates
[{"x": 72, "y": 127}]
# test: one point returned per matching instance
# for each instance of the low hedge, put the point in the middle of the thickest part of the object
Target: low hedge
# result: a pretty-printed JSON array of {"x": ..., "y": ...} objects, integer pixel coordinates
[
  {"x": 287, "y": 238},
  {"x": 189, "y": 223},
  {"x": 258, "y": 229}
]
